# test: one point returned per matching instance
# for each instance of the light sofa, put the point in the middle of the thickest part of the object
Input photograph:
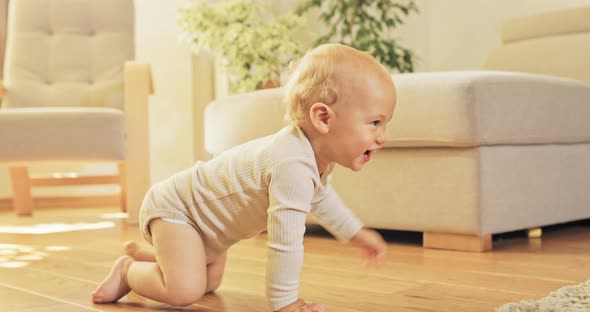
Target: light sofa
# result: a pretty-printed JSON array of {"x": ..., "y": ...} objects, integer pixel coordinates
[{"x": 468, "y": 154}]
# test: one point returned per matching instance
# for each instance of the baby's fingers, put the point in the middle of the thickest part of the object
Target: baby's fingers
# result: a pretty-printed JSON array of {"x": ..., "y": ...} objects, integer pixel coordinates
[
  {"x": 374, "y": 258},
  {"x": 315, "y": 307},
  {"x": 380, "y": 257},
  {"x": 310, "y": 307}
]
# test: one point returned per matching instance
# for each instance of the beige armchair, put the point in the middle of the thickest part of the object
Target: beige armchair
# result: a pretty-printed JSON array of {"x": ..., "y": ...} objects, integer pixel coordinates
[{"x": 71, "y": 93}]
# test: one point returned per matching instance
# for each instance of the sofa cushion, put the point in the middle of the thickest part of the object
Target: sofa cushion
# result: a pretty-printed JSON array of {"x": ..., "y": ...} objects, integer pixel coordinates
[
  {"x": 30, "y": 134},
  {"x": 447, "y": 109}
]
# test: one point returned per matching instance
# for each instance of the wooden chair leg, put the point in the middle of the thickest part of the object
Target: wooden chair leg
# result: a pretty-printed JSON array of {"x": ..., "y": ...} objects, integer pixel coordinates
[
  {"x": 122, "y": 168},
  {"x": 535, "y": 232},
  {"x": 21, "y": 187},
  {"x": 457, "y": 241}
]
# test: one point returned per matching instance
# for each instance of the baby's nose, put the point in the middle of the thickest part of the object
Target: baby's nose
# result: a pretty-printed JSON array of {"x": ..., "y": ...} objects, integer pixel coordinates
[{"x": 380, "y": 138}]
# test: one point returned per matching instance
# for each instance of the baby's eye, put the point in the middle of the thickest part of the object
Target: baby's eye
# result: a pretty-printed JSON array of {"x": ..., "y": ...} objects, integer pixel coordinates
[{"x": 376, "y": 122}]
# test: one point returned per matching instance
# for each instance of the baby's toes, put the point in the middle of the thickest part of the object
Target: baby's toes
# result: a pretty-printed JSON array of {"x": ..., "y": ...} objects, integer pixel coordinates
[{"x": 97, "y": 297}]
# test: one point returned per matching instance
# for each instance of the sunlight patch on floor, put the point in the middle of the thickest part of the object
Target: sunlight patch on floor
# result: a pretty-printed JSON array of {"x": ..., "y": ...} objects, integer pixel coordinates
[
  {"x": 32, "y": 257},
  {"x": 114, "y": 215},
  {"x": 13, "y": 264},
  {"x": 54, "y": 227},
  {"x": 18, "y": 256},
  {"x": 57, "y": 248}
]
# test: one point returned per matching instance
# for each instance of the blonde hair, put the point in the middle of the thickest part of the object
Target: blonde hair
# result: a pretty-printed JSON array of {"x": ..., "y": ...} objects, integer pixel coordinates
[{"x": 313, "y": 79}]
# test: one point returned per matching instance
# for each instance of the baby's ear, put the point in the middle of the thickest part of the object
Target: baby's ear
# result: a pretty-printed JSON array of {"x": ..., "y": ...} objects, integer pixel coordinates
[{"x": 320, "y": 116}]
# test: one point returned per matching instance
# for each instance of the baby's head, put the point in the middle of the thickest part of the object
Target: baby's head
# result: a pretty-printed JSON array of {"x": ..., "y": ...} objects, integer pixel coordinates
[
  {"x": 343, "y": 98},
  {"x": 322, "y": 76}
]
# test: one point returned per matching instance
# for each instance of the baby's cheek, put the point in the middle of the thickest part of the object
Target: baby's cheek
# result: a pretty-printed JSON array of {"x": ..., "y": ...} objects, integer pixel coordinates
[{"x": 365, "y": 141}]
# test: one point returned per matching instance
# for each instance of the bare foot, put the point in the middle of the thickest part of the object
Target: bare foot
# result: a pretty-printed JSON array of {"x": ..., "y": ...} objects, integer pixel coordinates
[
  {"x": 138, "y": 253},
  {"x": 115, "y": 284},
  {"x": 131, "y": 248}
]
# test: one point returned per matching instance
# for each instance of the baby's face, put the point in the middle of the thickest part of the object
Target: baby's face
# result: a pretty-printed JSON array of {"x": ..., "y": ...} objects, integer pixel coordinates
[{"x": 365, "y": 105}]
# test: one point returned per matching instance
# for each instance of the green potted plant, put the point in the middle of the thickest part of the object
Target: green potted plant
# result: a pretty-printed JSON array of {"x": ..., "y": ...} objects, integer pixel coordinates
[
  {"x": 254, "y": 46},
  {"x": 368, "y": 26}
]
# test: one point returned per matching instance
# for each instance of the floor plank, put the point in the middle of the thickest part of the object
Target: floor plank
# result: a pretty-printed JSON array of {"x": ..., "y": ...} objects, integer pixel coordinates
[{"x": 20, "y": 299}]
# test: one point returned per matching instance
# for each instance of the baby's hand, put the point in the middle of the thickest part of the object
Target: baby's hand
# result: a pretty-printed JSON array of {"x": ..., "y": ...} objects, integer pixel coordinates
[
  {"x": 301, "y": 306},
  {"x": 373, "y": 245}
]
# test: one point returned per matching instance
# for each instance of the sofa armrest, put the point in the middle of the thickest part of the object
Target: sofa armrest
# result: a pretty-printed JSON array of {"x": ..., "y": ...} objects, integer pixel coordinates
[
  {"x": 554, "y": 43},
  {"x": 239, "y": 118},
  {"x": 550, "y": 24},
  {"x": 138, "y": 87}
]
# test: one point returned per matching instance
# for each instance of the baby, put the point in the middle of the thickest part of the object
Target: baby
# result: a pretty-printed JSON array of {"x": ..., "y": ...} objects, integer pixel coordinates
[{"x": 338, "y": 101}]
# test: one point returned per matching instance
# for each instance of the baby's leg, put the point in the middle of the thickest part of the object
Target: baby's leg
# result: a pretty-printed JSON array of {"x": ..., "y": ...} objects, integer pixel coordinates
[
  {"x": 114, "y": 286},
  {"x": 139, "y": 253},
  {"x": 214, "y": 270},
  {"x": 179, "y": 277}
]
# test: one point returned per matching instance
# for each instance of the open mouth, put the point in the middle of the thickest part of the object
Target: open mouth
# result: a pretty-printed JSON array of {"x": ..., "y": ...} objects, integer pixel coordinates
[{"x": 367, "y": 154}]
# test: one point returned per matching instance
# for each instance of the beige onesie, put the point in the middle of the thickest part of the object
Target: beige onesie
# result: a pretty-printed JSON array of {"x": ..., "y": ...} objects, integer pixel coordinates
[{"x": 271, "y": 184}]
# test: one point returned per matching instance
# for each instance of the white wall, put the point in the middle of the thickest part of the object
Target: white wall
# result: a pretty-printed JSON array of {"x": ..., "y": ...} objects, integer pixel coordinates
[
  {"x": 171, "y": 114},
  {"x": 458, "y": 34}
]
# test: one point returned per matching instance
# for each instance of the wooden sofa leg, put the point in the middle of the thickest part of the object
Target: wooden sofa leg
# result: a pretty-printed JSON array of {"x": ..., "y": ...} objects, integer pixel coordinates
[
  {"x": 459, "y": 242},
  {"x": 122, "y": 168},
  {"x": 21, "y": 187},
  {"x": 535, "y": 232}
]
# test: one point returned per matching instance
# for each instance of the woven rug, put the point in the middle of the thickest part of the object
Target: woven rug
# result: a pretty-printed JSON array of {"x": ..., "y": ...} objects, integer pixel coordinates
[{"x": 574, "y": 298}]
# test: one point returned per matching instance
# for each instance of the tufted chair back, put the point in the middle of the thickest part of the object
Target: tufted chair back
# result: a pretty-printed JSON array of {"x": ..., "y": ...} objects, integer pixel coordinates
[
  {"x": 60, "y": 57},
  {"x": 68, "y": 74}
]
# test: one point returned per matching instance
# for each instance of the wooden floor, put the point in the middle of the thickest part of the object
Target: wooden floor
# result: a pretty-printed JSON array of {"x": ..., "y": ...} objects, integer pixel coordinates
[{"x": 58, "y": 271}]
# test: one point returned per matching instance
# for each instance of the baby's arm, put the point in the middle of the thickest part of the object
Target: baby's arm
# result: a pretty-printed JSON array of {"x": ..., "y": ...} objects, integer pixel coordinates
[
  {"x": 285, "y": 259},
  {"x": 285, "y": 256},
  {"x": 373, "y": 245},
  {"x": 337, "y": 218},
  {"x": 290, "y": 192}
]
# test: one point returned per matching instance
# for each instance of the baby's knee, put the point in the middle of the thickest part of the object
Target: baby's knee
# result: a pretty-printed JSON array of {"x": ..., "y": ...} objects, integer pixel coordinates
[
  {"x": 185, "y": 295},
  {"x": 184, "y": 290},
  {"x": 213, "y": 284},
  {"x": 215, "y": 273}
]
